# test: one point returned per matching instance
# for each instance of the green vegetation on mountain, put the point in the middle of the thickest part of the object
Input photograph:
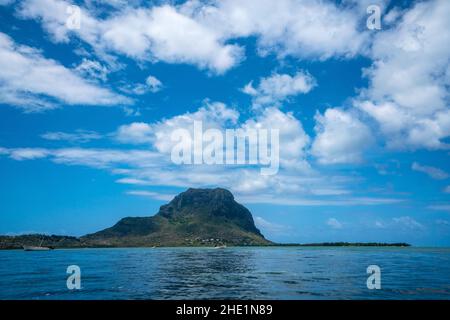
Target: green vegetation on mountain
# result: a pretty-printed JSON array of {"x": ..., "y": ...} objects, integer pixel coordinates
[
  {"x": 196, "y": 217},
  {"x": 53, "y": 241}
]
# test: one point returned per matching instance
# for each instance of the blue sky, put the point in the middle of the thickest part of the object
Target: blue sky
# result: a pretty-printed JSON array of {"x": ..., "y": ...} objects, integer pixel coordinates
[{"x": 364, "y": 118}]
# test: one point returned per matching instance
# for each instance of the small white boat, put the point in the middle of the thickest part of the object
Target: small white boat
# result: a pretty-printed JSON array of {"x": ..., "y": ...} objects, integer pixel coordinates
[
  {"x": 34, "y": 248},
  {"x": 220, "y": 247},
  {"x": 37, "y": 248}
]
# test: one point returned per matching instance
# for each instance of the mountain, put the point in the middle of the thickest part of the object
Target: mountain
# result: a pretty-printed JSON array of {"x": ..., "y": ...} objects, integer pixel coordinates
[{"x": 195, "y": 217}]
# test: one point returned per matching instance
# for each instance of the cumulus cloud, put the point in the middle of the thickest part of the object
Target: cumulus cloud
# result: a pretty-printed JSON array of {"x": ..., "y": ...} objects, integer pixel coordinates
[
  {"x": 159, "y": 33},
  {"x": 162, "y": 33},
  {"x": 134, "y": 88},
  {"x": 154, "y": 84},
  {"x": 34, "y": 83},
  {"x": 304, "y": 29},
  {"x": 432, "y": 172},
  {"x": 212, "y": 115},
  {"x": 158, "y": 135},
  {"x": 135, "y": 133},
  {"x": 408, "y": 91},
  {"x": 200, "y": 33},
  {"x": 93, "y": 70},
  {"x": 340, "y": 137},
  {"x": 278, "y": 87},
  {"x": 293, "y": 139}
]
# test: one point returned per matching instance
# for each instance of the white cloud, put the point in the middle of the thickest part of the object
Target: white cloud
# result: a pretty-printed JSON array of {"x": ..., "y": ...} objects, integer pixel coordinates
[
  {"x": 101, "y": 158},
  {"x": 154, "y": 84},
  {"x": 159, "y": 33},
  {"x": 296, "y": 199},
  {"x": 136, "y": 133},
  {"x": 134, "y": 88},
  {"x": 131, "y": 111},
  {"x": 408, "y": 93},
  {"x": 162, "y": 33},
  {"x": 28, "y": 153},
  {"x": 158, "y": 134},
  {"x": 133, "y": 181},
  {"x": 293, "y": 139},
  {"x": 200, "y": 33},
  {"x": 278, "y": 87},
  {"x": 403, "y": 223},
  {"x": 212, "y": 115},
  {"x": 79, "y": 136},
  {"x": 152, "y": 195},
  {"x": 271, "y": 228},
  {"x": 96, "y": 158},
  {"x": 53, "y": 16},
  {"x": 305, "y": 29},
  {"x": 93, "y": 70},
  {"x": 432, "y": 172},
  {"x": 379, "y": 224},
  {"x": 340, "y": 137},
  {"x": 408, "y": 223},
  {"x": 334, "y": 223},
  {"x": 34, "y": 83}
]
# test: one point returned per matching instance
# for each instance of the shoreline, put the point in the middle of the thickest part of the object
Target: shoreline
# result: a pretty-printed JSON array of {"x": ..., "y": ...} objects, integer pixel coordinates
[{"x": 282, "y": 245}]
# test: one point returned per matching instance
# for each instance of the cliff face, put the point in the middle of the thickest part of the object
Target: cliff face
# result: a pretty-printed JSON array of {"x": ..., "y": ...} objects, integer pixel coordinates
[
  {"x": 194, "y": 217},
  {"x": 210, "y": 204}
]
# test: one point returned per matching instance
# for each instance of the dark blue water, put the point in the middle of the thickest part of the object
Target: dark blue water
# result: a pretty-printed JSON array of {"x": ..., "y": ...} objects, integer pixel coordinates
[{"x": 232, "y": 273}]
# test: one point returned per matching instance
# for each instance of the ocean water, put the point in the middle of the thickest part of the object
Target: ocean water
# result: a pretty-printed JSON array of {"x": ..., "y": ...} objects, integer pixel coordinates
[{"x": 231, "y": 273}]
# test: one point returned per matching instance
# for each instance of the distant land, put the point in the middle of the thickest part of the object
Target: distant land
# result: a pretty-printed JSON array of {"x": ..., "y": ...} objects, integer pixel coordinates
[{"x": 196, "y": 217}]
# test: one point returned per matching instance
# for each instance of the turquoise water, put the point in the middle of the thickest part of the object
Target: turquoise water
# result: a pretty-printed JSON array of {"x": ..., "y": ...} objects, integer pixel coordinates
[{"x": 232, "y": 273}]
